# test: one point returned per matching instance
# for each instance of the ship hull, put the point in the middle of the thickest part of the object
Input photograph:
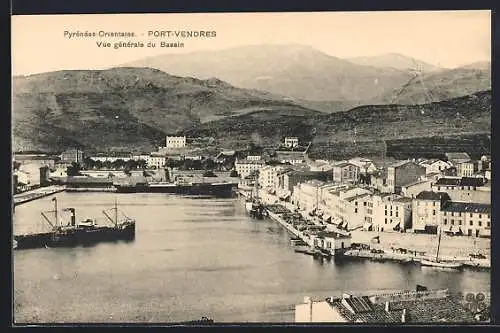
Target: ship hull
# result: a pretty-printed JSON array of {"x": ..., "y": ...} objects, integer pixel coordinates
[
  {"x": 216, "y": 190},
  {"x": 440, "y": 264},
  {"x": 74, "y": 238}
]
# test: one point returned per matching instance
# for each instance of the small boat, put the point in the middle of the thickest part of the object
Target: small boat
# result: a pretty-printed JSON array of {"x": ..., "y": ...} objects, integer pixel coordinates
[{"x": 441, "y": 264}]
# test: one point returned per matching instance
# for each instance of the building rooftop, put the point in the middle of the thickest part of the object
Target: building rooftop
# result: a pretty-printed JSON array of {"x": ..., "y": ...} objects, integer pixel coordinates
[
  {"x": 435, "y": 196},
  {"x": 457, "y": 156},
  {"x": 344, "y": 164},
  {"x": 466, "y": 207},
  {"x": 465, "y": 181},
  {"x": 399, "y": 164},
  {"x": 245, "y": 161},
  {"x": 418, "y": 182},
  {"x": 417, "y": 307}
]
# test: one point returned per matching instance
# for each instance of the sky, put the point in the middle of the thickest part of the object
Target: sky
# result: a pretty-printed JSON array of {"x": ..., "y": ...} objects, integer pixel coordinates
[{"x": 447, "y": 38}]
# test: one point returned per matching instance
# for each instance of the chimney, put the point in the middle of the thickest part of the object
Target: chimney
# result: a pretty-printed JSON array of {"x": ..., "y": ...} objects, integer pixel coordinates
[
  {"x": 387, "y": 307},
  {"x": 403, "y": 316}
]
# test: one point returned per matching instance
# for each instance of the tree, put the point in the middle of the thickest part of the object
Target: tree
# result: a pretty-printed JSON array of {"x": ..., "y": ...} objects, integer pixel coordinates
[
  {"x": 74, "y": 169},
  {"x": 234, "y": 173},
  {"x": 208, "y": 164}
]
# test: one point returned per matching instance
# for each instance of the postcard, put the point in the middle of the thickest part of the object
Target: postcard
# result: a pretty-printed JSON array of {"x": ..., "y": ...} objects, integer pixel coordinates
[{"x": 285, "y": 167}]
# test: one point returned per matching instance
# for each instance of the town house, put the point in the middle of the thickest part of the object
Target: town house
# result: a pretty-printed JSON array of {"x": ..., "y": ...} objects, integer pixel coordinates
[
  {"x": 472, "y": 219},
  {"x": 426, "y": 211},
  {"x": 391, "y": 212},
  {"x": 403, "y": 173},
  {"x": 464, "y": 189},
  {"x": 345, "y": 172}
]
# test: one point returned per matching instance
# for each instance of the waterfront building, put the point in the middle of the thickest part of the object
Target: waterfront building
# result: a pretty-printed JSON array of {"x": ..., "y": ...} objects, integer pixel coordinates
[
  {"x": 154, "y": 161},
  {"x": 306, "y": 196},
  {"x": 291, "y": 142},
  {"x": 349, "y": 207},
  {"x": 465, "y": 189},
  {"x": 268, "y": 177},
  {"x": 471, "y": 219},
  {"x": 291, "y": 176},
  {"x": 345, "y": 172},
  {"x": 246, "y": 167},
  {"x": 426, "y": 211},
  {"x": 365, "y": 166},
  {"x": 173, "y": 142},
  {"x": 435, "y": 165},
  {"x": 416, "y": 306},
  {"x": 466, "y": 169},
  {"x": 411, "y": 190},
  {"x": 72, "y": 156},
  {"x": 141, "y": 156},
  {"x": 33, "y": 174},
  {"x": 457, "y": 157},
  {"x": 391, "y": 212},
  {"x": 331, "y": 241},
  {"x": 403, "y": 173}
]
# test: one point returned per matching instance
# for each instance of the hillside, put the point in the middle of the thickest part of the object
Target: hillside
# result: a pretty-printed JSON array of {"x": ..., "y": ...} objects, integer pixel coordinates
[
  {"x": 123, "y": 107},
  {"x": 360, "y": 130},
  {"x": 295, "y": 71},
  {"x": 442, "y": 85},
  {"x": 393, "y": 60}
]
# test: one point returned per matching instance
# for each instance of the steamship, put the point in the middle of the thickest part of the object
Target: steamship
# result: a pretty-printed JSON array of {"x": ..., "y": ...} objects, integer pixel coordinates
[
  {"x": 215, "y": 189},
  {"x": 73, "y": 233}
]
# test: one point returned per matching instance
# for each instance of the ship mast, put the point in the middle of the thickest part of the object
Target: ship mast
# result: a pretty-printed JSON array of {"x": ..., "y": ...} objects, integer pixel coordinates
[
  {"x": 55, "y": 211},
  {"x": 116, "y": 213},
  {"x": 439, "y": 243}
]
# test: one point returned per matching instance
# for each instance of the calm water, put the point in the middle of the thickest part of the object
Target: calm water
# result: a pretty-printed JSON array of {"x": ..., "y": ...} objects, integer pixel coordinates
[{"x": 191, "y": 258}]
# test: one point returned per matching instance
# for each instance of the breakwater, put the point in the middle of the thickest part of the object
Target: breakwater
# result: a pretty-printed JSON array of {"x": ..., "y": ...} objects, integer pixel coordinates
[{"x": 37, "y": 194}]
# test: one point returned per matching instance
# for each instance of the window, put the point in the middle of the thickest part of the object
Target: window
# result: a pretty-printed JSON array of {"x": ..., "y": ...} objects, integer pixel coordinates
[
  {"x": 452, "y": 214},
  {"x": 479, "y": 215},
  {"x": 355, "y": 203},
  {"x": 444, "y": 214},
  {"x": 460, "y": 222},
  {"x": 434, "y": 203},
  {"x": 364, "y": 203},
  {"x": 385, "y": 213},
  {"x": 385, "y": 220},
  {"x": 439, "y": 188},
  {"x": 479, "y": 223},
  {"x": 452, "y": 222},
  {"x": 471, "y": 223},
  {"x": 488, "y": 224},
  {"x": 470, "y": 214},
  {"x": 433, "y": 212},
  {"x": 385, "y": 206},
  {"x": 445, "y": 222},
  {"x": 396, "y": 214},
  {"x": 355, "y": 210},
  {"x": 391, "y": 212}
]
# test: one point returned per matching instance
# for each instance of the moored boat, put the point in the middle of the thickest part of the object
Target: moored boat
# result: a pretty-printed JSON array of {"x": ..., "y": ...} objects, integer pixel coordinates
[
  {"x": 72, "y": 234},
  {"x": 441, "y": 264}
]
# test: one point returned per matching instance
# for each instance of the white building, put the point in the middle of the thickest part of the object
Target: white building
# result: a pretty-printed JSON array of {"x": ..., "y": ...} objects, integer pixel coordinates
[
  {"x": 111, "y": 158},
  {"x": 245, "y": 167},
  {"x": 426, "y": 210},
  {"x": 254, "y": 157},
  {"x": 291, "y": 142},
  {"x": 365, "y": 166},
  {"x": 391, "y": 213},
  {"x": 471, "y": 219},
  {"x": 176, "y": 141},
  {"x": 435, "y": 165},
  {"x": 268, "y": 177},
  {"x": 156, "y": 162}
]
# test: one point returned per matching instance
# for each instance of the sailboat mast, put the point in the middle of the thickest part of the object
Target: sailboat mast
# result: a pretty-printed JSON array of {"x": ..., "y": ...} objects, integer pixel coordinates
[
  {"x": 55, "y": 211},
  {"x": 439, "y": 244},
  {"x": 116, "y": 213}
]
